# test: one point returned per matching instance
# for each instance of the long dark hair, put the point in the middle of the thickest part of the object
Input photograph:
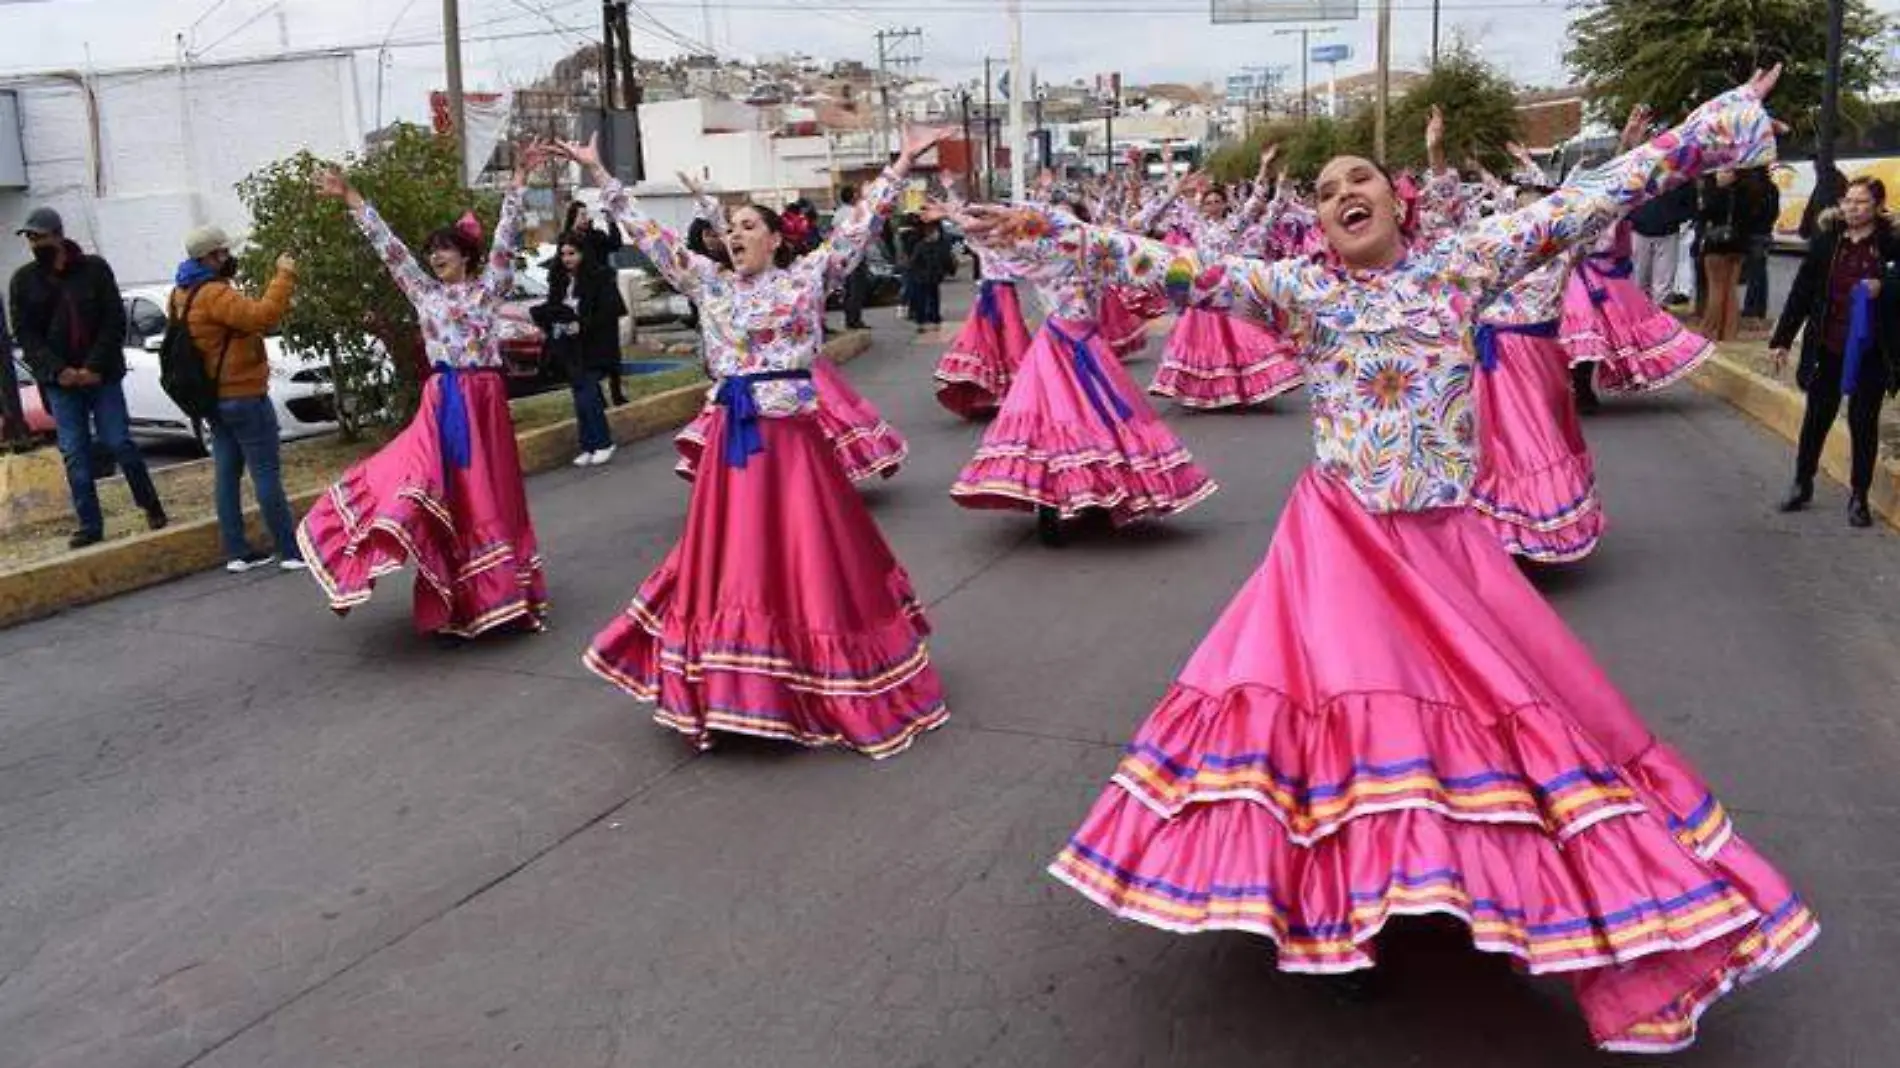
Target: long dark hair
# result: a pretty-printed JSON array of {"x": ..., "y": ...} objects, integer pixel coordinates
[
  {"x": 775, "y": 223},
  {"x": 702, "y": 237}
]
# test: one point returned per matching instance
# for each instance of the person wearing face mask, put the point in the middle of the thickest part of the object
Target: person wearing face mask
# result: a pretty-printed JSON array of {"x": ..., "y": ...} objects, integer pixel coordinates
[
  {"x": 1389, "y": 720},
  {"x": 1847, "y": 296},
  {"x": 69, "y": 321},
  {"x": 781, "y": 611},
  {"x": 228, "y": 328},
  {"x": 446, "y": 493}
]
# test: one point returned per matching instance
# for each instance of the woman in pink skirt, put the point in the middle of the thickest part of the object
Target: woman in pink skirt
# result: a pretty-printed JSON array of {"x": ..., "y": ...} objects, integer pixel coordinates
[
  {"x": 1215, "y": 361},
  {"x": 974, "y": 373},
  {"x": 867, "y": 445},
  {"x": 446, "y": 494},
  {"x": 1536, "y": 485},
  {"x": 1389, "y": 721},
  {"x": 1610, "y": 326},
  {"x": 1074, "y": 434},
  {"x": 781, "y": 612}
]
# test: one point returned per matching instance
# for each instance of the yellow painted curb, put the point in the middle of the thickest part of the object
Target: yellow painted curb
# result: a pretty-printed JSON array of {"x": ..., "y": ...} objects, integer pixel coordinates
[
  {"x": 187, "y": 547},
  {"x": 1780, "y": 408}
]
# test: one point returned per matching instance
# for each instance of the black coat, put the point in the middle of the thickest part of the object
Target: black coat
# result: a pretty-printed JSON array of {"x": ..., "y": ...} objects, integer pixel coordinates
[
  {"x": 587, "y": 338},
  {"x": 931, "y": 261},
  {"x": 75, "y": 319},
  {"x": 1721, "y": 206},
  {"x": 1808, "y": 302}
]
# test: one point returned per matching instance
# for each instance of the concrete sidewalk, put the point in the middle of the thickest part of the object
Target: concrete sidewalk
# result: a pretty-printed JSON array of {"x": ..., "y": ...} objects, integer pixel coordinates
[{"x": 240, "y": 833}]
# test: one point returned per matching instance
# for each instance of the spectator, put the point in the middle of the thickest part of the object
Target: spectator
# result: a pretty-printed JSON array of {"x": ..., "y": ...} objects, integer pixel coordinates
[
  {"x": 1724, "y": 246},
  {"x": 70, "y": 321},
  {"x": 857, "y": 284},
  {"x": 228, "y": 328},
  {"x": 1760, "y": 209},
  {"x": 1853, "y": 247},
  {"x": 1655, "y": 239},
  {"x": 581, "y": 318},
  {"x": 930, "y": 263},
  {"x": 599, "y": 243}
]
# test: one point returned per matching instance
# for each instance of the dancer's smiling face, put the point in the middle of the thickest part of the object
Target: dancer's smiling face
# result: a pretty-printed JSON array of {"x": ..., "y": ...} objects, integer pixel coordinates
[
  {"x": 1214, "y": 204},
  {"x": 1360, "y": 213}
]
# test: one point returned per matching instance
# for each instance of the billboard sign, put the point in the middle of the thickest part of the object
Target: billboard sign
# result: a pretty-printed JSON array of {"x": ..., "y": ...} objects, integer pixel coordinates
[
  {"x": 1333, "y": 53},
  {"x": 1224, "y": 11}
]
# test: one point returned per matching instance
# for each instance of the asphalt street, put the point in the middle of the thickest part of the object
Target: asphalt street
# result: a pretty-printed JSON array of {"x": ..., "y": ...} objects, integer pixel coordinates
[{"x": 241, "y": 833}]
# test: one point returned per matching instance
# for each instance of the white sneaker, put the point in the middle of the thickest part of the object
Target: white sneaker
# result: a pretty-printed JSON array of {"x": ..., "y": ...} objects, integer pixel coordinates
[
  {"x": 247, "y": 563},
  {"x": 602, "y": 456},
  {"x": 292, "y": 564},
  {"x": 585, "y": 459}
]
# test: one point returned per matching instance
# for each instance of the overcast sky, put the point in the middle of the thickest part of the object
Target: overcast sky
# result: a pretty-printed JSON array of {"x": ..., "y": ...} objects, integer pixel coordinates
[{"x": 1147, "y": 40}]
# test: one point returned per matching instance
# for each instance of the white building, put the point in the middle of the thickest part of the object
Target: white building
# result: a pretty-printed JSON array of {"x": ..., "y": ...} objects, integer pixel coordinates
[
  {"x": 133, "y": 159},
  {"x": 731, "y": 147}
]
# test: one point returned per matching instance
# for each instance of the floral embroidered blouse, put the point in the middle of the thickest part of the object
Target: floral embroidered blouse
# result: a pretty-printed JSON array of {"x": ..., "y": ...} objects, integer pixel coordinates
[
  {"x": 459, "y": 322},
  {"x": 1388, "y": 367},
  {"x": 770, "y": 321}
]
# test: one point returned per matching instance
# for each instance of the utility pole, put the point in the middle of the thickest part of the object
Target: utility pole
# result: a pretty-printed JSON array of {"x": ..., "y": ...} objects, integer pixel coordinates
[
  {"x": 888, "y": 44},
  {"x": 969, "y": 148},
  {"x": 1434, "y": 34},
  {"x": 1306, "y": 39},
  {"x": 1384, "y": 79},
  {"x": 1830, "y": 95},
  {"x": 452, "y": 44},
  {"x": 989, "y": 136},
  {"x": 1018, "y": 158},
  {"x": 620, "y": 95}
]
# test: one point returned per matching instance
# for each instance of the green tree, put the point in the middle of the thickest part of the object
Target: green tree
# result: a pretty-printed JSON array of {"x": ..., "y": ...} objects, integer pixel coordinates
[
  {"x": 1480, "y": 106},
  {"x": 347, "y": 310},
  {"x": 1304, "y": 149},
  {"x": 1673, "y": 56}
]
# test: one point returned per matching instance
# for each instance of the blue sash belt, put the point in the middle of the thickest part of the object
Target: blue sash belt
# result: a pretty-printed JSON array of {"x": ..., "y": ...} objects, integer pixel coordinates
[
  {"x": 742, "y": 412},
  {"x": 1095, "y": 384},
  {"x": 1485, "y": 338}
]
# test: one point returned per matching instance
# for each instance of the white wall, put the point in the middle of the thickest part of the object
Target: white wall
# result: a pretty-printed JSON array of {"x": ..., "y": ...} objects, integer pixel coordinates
[{"x": 171, "y": 150}]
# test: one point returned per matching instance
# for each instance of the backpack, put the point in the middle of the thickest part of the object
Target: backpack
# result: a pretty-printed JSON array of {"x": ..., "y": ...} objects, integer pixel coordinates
[{"x": 181, "y": 371}]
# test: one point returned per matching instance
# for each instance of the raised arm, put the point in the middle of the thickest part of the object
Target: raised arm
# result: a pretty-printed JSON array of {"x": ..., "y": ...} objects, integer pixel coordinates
[
  {"x": 1051, "y": 247},
  {"x": 685, "y": 269},
  {"x": 843, "y": 249},
  {"x": 409, "y": 275},
  {"x": 705, "y": 205},
  {"x": 1733, "y": 130},
  {"x": 499, "y": 276}
]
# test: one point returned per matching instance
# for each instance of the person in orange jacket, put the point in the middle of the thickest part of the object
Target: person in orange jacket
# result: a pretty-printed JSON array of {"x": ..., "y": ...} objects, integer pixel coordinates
[{"x": 228, "y": 330}]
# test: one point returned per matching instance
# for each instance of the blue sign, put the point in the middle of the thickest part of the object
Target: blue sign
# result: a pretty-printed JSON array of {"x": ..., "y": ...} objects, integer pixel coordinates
[{"x": 1332, "y": 53}]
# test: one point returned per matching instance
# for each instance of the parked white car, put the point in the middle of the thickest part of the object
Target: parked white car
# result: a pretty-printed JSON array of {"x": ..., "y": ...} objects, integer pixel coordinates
[
  {"x": 300, "y": 389},
  {"x": 650, "y": 299}
]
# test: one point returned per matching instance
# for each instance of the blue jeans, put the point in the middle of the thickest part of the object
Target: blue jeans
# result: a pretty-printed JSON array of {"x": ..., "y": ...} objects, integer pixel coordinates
[
  {"x": 245, "y": 435},
  {"x": 80, "y": 414},
  {"x": 926, "y": 304},
  {"x": 590, "y": 411}
]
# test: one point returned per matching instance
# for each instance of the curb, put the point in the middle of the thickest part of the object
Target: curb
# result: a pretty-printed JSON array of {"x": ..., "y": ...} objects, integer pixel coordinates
[
  {"x": 186, "y": 548},
  {"x": 1780, "y": 408}
]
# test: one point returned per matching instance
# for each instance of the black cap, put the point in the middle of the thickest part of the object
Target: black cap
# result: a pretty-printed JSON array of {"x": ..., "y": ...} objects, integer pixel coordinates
[{"x": 43, "y": 221}]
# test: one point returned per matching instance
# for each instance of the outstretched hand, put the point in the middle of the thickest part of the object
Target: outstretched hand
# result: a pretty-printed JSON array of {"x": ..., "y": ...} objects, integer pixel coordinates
[
  {"x": 1267, "y": 156},
  {"x": 332, "y": 184},
  {"x": 1762, "y": 82},
  {"x": 921, "y": 139},
  {"x": 1435, "y": 128},
  {"x": 587, "y": 155}
]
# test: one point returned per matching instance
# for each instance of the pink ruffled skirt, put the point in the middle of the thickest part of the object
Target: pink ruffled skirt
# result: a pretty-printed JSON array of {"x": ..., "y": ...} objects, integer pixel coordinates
[
  {"x": 1389, "y": 721},
  {"x": 1637, "y": 346},
  {"x": 780, "y": 613},
  {"x": 974, "y": 374},
  {"x": 1062, "y": 440},
  {"x": 1218, "y": 361},
  {"x": 867, "y": 446},
  {"x": 466, "y": 530},
  {"x": 1123, "y": 326},
  {"x": 1536, "y": 487}
]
